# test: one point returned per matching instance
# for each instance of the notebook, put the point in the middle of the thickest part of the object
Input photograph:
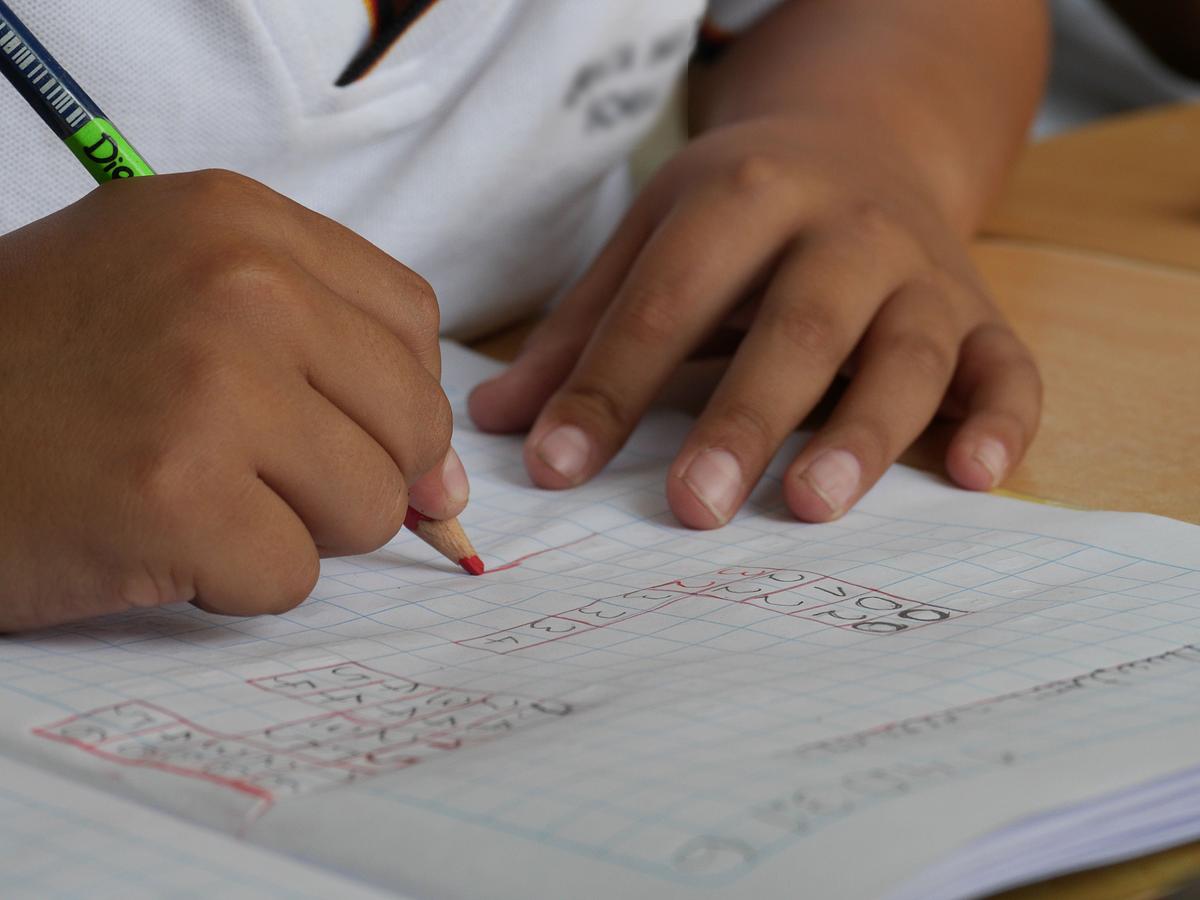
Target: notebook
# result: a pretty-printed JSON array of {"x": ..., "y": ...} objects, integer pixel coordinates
[{"x": 940, "y": 695}]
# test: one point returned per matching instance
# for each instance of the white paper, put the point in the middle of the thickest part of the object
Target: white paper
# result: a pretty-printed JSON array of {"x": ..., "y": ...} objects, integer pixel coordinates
[
  {"x": 59, "y": 839},
  {"x": 623, "y": 707}
]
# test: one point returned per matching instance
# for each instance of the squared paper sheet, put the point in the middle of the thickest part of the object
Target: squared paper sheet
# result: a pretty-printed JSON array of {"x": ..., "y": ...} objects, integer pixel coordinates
[
  {"x": 60, "y": 839},
  {"x": 624, "y": 707}
]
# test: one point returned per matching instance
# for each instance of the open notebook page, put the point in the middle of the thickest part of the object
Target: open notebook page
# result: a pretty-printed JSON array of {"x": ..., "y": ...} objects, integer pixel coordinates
[
  {"x": 626, "y": 707},
  {"x": 60, "y": 839}
]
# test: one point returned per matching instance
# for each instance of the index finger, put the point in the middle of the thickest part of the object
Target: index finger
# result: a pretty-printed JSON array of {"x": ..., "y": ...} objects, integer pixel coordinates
[{"x": 702, "y": 259}]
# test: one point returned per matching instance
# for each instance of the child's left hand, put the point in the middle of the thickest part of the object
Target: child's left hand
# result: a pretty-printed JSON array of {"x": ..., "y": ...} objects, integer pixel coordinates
[{"x": 827, "y": 248}]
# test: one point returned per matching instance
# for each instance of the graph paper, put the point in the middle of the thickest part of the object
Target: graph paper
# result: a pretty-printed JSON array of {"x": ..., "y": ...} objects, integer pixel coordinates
[
  {"x": 626, "y": 706},
  {"x": 63, "y": 840}
]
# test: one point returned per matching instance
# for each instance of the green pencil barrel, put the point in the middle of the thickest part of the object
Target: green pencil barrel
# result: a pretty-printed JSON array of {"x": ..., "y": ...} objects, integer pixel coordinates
[{"x": 105, "y": 153}]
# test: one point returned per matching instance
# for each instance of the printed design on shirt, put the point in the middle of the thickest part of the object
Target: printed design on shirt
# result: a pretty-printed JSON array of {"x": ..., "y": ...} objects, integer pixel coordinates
[
  {"x": 390, "y": 19},
  {"x": 624, "y": 84}
]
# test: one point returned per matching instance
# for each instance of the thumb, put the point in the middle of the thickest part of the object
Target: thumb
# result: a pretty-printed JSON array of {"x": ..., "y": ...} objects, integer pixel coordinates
[{"x": 442, "y": 492}]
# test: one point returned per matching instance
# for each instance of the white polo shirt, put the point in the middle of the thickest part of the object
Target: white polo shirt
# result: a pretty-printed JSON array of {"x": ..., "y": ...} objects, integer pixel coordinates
[{"x": 485, "y": 147}]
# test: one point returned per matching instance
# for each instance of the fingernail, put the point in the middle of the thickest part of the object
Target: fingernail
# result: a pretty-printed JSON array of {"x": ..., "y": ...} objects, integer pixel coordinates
[
  {"x": 992, "y": 456},
  {"x": 454, "y": 478},
  {"x": 715, "y": 478},
  {"x": 834, "y": 477},
  {"x": 566, "y": 450}
]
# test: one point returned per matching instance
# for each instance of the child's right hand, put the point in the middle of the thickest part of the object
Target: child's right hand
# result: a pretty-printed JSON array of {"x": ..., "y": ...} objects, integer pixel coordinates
[{"x": 204, "y": 387}]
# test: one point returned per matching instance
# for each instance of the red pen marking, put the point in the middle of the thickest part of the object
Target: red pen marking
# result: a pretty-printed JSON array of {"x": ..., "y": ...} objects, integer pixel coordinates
[{"x": 520, "y": 559}]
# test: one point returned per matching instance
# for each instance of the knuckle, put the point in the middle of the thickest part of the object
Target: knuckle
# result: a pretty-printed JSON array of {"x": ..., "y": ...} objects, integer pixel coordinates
[
  {"x": 557, "y": 342},
  {"x": 239, "y": 273},
  {"x": 653, "y": 317},
  {"x": 247, "y": 286},
  {"x": 418, "y": 287},
  {"x": 221, "y": 189},
  {"x": 422, "y": 301},
  {"x": 751, "y": 425},
  {"x": 143, "y": 589},
  {"x": 809, "y": 330},
  {"x": 928, "y": 357},
  {"x": 756, "y": 174},
  {"x": 597, "y": 404},
  {"x": 436, "y": 429},
  {"x": 441, "y": 423},
  {"x": 217, "y": 203},
  {"x": 958, "y": 302},
  {"x": 869, "y": 225}
]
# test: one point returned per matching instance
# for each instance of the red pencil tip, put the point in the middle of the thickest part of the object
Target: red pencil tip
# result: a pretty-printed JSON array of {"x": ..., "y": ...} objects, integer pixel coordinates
[{"x": 472, "y": 565}]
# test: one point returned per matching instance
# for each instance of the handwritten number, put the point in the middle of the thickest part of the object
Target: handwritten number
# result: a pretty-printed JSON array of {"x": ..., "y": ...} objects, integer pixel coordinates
[
  {"x": 924, "y": 614},
  {"x": 837, "y": 591},
  {"x": 647, "y": 595},
  {"x": 693, "y": 587},
  {"x": 569, "y": 626},
  {"x": 782, "y": 577},
  {"x": 879, "y": 627},
  {"x": 834, "y": 614},
  {"x": 597, "y": 612},
  {"x": 872, "y": 602}
]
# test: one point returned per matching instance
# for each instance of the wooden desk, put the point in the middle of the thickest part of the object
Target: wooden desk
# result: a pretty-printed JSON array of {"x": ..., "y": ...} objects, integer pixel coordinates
[
  {"x": 1119, "y": 349},
  {"x": 1129, "y": 187}
]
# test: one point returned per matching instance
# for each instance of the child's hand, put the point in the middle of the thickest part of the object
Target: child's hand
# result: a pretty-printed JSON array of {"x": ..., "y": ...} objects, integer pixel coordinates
[
  {"x": 834, "y": 254},
  {"x": 203, "y": 386}
]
